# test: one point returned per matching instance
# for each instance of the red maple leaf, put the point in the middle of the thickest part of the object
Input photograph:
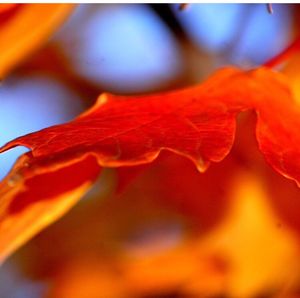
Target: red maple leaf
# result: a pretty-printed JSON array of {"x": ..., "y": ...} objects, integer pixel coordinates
[{"x": 198, "y": 122}]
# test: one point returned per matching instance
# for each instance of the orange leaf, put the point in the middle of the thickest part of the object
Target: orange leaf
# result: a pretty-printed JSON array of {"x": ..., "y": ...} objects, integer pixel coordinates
[
  {"x": 24, "y": 28},
  {"x": 197, "y": 122},
  {"x": 28, "y": 206}
]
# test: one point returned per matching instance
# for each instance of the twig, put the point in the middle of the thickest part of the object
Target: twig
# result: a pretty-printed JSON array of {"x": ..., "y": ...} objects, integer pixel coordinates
[{"x": 270, "y": 8}]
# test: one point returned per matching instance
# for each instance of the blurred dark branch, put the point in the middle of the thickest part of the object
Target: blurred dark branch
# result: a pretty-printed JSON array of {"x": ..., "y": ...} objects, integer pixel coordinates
[
  {"x": 195, "y": 59},
  {"x": 166, "y": 14}
]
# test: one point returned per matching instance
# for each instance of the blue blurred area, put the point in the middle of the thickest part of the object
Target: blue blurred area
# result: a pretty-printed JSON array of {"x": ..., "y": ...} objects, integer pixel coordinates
[
  {"x": 265, "y": 36},
  {"x": 211, "y": 26},
  {"x": 121, "y": 47},
  {"x": 28, "y": 104},
  {"x": 14, "y": 285},
  {"x": 243, "y": 34}
]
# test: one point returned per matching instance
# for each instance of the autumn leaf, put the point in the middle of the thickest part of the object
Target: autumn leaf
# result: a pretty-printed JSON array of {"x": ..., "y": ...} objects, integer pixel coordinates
[
  {"x": 197, "y": 122},
  {"x": 24, "y": 28}
]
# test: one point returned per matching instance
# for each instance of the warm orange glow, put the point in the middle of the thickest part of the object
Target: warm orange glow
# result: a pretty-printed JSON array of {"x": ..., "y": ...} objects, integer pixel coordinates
[
  {"x": 7, "y": 7},
  {"x": 260, "y": 250},
  {"x": 249, "y": 252}
]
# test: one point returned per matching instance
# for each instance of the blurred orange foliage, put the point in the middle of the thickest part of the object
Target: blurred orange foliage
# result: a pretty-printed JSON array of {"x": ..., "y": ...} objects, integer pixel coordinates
[{"x": 25, "y": 28}]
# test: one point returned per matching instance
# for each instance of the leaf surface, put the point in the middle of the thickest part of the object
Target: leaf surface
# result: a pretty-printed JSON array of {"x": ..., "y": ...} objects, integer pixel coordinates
[
  {"x": 197, "y": 122},
  {"x": 27, "y": 206}
]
